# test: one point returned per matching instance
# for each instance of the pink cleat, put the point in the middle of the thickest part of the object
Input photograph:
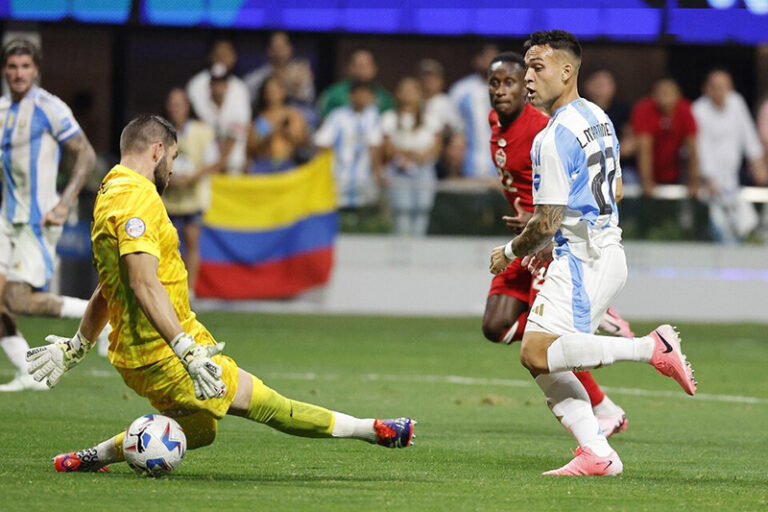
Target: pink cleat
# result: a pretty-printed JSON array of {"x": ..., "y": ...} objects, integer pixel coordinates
[
  {"x": 613, "y": 324},
  {"x": 586, "y": 463},
  {"x": 613, "y": 424},
  {"x": 669, "y": 360}
]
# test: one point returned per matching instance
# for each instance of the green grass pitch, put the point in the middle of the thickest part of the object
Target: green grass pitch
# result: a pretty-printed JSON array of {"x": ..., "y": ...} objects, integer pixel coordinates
[{"x": 484, "y": 433}]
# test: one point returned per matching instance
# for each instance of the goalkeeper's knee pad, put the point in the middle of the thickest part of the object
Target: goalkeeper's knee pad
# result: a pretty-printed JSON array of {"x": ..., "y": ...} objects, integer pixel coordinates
[{"x": 200, "y": 429}]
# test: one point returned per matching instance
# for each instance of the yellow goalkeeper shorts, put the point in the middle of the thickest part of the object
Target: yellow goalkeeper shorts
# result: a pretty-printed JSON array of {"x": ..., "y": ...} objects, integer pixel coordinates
[{"x": 169, "y": 389}]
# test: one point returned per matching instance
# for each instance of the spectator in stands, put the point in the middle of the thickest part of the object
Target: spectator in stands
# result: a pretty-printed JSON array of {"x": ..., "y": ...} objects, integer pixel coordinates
[
  {"x": 470, "y": 96},
  {"x": 726, "y": 134},
  {"x": 437, "y": 104},
  {"x": 296, "y": 74},
  {"x": 188, "y": 193},
  {"x": 362, "y": 68},
  {"x": 439, "y": 107},
  {"x": 278, "y": 132},
  {"x": 666, "y": 135},
  {"x": 229, "y": 114},
  {"x": 412, "y": 143},
  {"x": 354, "y": 133},
  {"x": 600, "y": 88},
  {"x": 199, "y": 86}
]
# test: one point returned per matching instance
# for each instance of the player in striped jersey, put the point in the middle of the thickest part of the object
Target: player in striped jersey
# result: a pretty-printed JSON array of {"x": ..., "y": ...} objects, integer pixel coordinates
[
  {"x": 37, "y": 127},
  {"x": 576, "y": 179}
]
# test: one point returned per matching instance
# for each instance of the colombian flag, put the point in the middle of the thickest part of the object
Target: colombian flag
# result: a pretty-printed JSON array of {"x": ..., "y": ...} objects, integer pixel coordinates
[{"x": 269, "y": 236}]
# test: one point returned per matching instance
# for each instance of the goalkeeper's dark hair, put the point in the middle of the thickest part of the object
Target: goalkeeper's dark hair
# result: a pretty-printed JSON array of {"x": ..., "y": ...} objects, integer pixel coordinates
[
  {"x": 557, "y": 40},
  {"x": 143, "y": 131},
  {"x": 21, "y": 46},
  {"x": 508, "y": 57}
]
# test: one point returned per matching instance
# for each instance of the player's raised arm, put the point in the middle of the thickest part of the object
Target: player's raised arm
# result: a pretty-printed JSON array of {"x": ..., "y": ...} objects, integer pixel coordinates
[
  {"x": 78, "y": 153},
  {"x": 50, "y": 362}
]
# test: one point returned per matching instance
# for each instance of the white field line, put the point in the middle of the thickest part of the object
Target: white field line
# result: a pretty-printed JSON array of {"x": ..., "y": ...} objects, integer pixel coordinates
[
  {"x": 513, "y": 383},
  {"x": 471, "y": 381}
]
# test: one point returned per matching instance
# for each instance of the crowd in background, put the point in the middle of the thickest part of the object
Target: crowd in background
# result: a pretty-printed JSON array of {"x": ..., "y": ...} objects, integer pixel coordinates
[{"x": 391, "y": 148}]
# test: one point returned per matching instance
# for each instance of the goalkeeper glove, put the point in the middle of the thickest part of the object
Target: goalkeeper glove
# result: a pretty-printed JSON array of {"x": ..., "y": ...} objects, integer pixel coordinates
[
  {"x": 196, "y": 359},
  {"x": 49, "y": 362}
]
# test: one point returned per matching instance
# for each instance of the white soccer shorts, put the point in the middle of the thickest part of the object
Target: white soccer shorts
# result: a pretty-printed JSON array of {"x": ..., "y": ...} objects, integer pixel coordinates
[
  {"x": 27, "y": 253},
  {"x": 576, "y": 293}
]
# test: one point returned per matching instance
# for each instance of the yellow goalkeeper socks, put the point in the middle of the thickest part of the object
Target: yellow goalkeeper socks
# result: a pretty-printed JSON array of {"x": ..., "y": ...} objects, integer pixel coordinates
[{"x": 286, "y": 415}]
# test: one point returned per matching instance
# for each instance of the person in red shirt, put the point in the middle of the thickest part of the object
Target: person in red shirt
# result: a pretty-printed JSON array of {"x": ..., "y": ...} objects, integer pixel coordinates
[
  {"x": 666, "y": 131},
  {"x": 514, "y": 124}
]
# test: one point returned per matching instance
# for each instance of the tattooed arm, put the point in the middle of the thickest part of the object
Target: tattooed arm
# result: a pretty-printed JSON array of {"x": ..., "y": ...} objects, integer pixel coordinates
[
  {"x": 535, "y": 236},
  {"x": 539, "y": 231},
  {"x": 80, "y": 157}
]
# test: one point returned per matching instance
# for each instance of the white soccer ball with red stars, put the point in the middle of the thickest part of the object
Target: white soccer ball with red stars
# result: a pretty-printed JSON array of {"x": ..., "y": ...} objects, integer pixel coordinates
[{"x": 154, "y": 445}]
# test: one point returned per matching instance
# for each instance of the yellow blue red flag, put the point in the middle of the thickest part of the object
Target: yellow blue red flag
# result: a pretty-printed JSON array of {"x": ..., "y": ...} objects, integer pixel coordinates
[{"x": 269, "y": 236}]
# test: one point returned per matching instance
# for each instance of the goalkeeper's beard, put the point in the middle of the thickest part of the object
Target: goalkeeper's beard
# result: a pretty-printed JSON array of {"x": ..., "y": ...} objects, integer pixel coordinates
[{"x": 162, "y": 174}]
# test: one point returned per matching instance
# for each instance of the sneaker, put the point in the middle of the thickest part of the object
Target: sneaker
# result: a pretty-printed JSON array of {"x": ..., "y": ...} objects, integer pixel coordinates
[
  {"x": 586, "y": 463},
  {"x": 613, "y": 324},
  {"x": 669, "y": 360},
  {"x": 84, "y": 461},
  {"x": 613, "y": 423},
  {"x": 396, "y": 433},
  {"x": 24, "y": 383}
]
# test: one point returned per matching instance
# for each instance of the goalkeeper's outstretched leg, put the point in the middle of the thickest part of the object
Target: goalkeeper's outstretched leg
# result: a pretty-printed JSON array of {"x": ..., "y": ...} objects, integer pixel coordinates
[{"x": 255, "y": 401}]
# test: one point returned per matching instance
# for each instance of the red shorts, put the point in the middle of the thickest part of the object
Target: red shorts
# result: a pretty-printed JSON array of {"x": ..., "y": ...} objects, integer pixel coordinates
[{"x": 516, "y": 282}]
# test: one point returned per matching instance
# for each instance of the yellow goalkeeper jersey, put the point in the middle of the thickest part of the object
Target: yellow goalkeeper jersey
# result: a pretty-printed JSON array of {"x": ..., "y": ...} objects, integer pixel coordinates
[{"x": 129, "y": 217}]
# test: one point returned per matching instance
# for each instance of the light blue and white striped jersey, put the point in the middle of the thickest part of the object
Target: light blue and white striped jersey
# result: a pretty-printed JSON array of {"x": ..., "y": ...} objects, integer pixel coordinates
[
  {"x": 351, "y": 135},
  {"x": 33, "y": 128},
  {"x": 576, "y": 164},
  {"x": 470, "y": 96}
]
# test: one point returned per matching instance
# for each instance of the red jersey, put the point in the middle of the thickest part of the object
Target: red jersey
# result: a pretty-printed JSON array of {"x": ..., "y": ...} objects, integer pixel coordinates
[
  {"x": 511, "y": 153},
  {"x": 669, "y": 134}
]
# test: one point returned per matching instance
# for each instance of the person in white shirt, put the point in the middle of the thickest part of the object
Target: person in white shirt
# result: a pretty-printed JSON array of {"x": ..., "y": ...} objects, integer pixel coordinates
[
  {"x": 470, "y": 96},
  {"x": 411, "y": 145},
  {"x": 437, "y": 104},
  {"x": 354, "y": 133},
  {"x": 37, "y": 129},
  {"x": 223, "y": 102},
  {"x": 726, "y": 134}
]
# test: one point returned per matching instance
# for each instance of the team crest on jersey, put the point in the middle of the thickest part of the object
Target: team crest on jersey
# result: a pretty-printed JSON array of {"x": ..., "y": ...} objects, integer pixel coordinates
[
  {"x": 536, "y": 181},
  {"x": 135, "y": 227},
  {"x": 501, "y": 157}
]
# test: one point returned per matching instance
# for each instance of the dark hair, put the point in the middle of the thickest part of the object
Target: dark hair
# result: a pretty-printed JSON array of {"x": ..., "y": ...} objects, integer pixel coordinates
[
  {"x": 146, "y": 129},
  {"x": 360, "y": 84},
  {"x": 556, "y": 39},
  {"x": 261, "y": 96},
  {"x": 21, "y": 46},
  {"x": 510, "y": 57}
]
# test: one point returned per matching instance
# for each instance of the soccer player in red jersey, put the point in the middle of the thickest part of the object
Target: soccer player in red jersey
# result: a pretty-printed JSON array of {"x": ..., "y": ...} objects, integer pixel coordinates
[{"x": 514, "y": 124}]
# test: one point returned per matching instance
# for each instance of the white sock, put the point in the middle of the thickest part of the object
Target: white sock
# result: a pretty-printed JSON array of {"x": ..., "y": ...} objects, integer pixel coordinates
[
  {"x": 606, "y": 407},
  {"x": 15, "y": 348},
  {"x": 345, "y": 425},
  {"x": 106, "y": 452},
  {"x": 72, "y": 307},
  {"x": 581, "y": 351},
  {"x": 569, "y": 402}
]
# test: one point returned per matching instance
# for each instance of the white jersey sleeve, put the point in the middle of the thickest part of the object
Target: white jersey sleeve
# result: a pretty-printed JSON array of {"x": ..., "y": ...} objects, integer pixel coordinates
[
  {"x": 62, "y": 122},
  {"x": 328, "y": 132},
  {"x": 553, "y": 158}
]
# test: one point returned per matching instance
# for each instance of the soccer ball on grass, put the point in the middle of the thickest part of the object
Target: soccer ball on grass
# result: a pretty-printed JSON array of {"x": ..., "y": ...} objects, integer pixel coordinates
[{"x": 154, "y": 445}]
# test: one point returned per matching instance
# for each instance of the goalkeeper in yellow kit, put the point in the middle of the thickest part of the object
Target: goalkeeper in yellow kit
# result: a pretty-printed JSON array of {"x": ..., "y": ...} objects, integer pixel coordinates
[{"x": 156, "y": 344}]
